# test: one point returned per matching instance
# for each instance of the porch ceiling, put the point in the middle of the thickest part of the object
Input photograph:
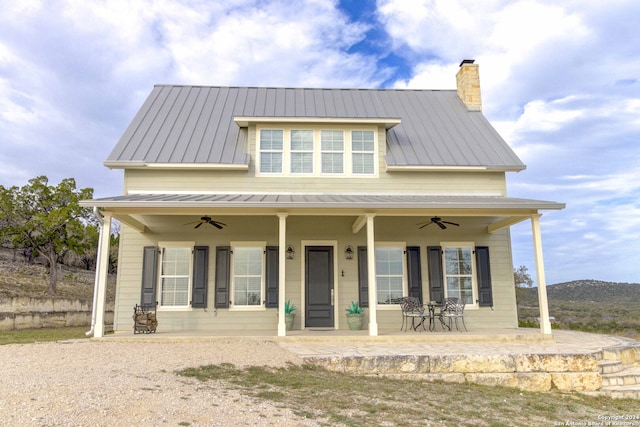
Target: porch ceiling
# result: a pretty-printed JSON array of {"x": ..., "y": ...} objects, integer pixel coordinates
[{"x": 131, "y": 209}]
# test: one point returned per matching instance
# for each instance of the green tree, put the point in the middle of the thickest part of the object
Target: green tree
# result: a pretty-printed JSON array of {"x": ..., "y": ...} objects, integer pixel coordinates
[
  {"x": 521, "y": 277},
  {"x": 47, "y": 220}
]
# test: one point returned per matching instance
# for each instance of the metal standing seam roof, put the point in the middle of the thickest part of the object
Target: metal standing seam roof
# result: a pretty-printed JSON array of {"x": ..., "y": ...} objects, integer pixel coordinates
[
  {"x": 330, "y": 201},
  {"x": 195, "y": 125}
]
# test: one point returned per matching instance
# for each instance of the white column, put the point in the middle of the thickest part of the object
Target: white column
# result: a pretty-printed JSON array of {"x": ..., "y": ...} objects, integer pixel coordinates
[
  {"x": 102, "y": 272},
  {"x": 545, "y": 324},
  {"x": 282, "y": 257},
  {"x": 371, "y": 273}
]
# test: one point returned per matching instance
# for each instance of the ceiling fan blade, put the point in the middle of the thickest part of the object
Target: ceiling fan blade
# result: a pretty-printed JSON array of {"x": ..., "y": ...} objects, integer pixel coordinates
[
  {"x": 441, "y": 225},
  {"x": 423, "y": 225},
  {"x": 216, "y": 224},
  {"x": 199, "y": 224},
  {"x": 452, "y": 223}
]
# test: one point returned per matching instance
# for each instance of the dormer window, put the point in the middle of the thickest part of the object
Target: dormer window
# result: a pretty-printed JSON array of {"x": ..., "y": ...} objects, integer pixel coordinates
[
  {"x": 271, "y": 146},
  {"x": 293, "y": 151}
]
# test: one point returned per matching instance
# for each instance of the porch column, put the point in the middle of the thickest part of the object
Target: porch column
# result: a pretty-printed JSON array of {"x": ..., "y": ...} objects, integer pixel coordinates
[
  {"x": 282, "y": 257},
  {"x": 545, "y": 324},
  {"x": 102, "y": 273},
  {"x": 371, "y": 273}
]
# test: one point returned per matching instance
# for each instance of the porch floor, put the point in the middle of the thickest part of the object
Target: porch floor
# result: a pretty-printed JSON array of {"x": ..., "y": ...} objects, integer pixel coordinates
[{"x": 393, "y": 342}]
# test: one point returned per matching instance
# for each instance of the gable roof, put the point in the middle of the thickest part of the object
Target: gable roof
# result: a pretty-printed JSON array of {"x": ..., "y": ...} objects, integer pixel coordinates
[{"x": 194, "y": 125}]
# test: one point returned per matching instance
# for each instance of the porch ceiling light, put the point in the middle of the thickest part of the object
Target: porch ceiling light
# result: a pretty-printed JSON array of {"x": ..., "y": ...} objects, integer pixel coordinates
[
  {"x": 290, "y": 251},
  {"x": 348, "y": 252}
]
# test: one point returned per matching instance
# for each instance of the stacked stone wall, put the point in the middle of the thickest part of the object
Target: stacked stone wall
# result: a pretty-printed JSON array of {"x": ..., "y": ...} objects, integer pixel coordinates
[{"x": 34, "y": 313}]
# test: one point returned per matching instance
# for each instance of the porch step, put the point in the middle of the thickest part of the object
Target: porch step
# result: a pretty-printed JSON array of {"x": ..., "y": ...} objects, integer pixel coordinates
[
  {"x": 610, "y": 366},
  {"x": 626, "y": 377},
  {"x": 617, "y": 392}
]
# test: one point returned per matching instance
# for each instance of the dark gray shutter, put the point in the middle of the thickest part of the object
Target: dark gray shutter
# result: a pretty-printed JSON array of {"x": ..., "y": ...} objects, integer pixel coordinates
[
  {"x": 149, "y": 275},
  {"x": 200, "y": 276},
  {"x": 363, "y": 277},
  {"x": 483, "y": 271},
  {"x": 436, "y": 280},
  {"x": 414, "y": 273},
  {"x": 272, "y": 268},
  {"x": 223, "y": 266}
]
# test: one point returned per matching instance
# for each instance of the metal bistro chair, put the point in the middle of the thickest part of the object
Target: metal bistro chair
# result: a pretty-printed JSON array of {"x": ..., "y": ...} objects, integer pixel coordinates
[
  {"x": 452, "y": 310},
  {"x": 411, "y": 309}
]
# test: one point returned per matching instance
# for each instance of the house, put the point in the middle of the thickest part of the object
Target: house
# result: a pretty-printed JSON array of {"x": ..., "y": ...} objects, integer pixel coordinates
[{"x": 237, "y": 199}]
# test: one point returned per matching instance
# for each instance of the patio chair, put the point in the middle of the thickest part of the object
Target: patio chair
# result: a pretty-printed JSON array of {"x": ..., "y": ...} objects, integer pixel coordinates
[
  {"x": 452, "y": 310},
  {"x": 411, "y": 309}
]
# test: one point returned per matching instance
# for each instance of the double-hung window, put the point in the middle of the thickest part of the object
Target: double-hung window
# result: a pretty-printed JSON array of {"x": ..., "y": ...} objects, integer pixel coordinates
[
  {"x": 175, "y": 278},
  {"x": 247, "y": 275},
  {"x": 332, "y": 151},
  {"x": 362, "y": 152},
  {"x": 301, "y": 151},
  {"x": 458, "y": 272},
  {"x": 271, "y": 150},
  {"x": 389, "y": 273}
]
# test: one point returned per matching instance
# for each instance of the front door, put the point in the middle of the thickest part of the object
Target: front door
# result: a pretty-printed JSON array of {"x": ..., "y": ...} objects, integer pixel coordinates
[{"x": 319, "y": 286}]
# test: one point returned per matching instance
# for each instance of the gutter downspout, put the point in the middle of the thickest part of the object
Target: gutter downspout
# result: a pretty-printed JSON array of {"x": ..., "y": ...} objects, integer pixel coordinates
[{"x": 98, "y": 216}]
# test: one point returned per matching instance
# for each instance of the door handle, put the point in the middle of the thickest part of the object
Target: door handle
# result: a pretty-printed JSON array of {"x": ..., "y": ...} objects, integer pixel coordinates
[{"x": 332, "y": 297}]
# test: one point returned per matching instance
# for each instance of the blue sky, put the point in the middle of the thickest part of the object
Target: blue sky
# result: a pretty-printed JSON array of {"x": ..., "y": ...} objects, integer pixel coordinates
[{"x": 560, "y": 82}]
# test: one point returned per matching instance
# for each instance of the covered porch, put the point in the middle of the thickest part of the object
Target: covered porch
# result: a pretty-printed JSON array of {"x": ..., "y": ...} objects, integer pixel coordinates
[{"x": 341, "y": 223}]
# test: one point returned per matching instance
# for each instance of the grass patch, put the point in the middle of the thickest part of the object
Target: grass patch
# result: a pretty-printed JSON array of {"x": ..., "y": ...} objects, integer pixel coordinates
[
  {"x": 336, "y": 398},
  {"x": 28, "y": 336}
]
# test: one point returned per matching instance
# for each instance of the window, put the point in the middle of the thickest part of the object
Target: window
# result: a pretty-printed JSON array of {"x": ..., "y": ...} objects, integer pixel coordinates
[
  {"x": 175, "y": 276},
  {"x": 458, "y": 273},
  {"x": 362, "y": 152},
  {"x": 389, "y": 273},
  {"x": 301, "y": 151},
  {"x": 247, "y": 275},
  {"x": 271, "y": 147},
  {"x": 332, "y": 149}
]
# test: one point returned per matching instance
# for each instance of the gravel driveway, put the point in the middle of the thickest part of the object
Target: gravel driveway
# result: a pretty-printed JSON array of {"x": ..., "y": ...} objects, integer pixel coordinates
[{"x": 98, "y": 383}]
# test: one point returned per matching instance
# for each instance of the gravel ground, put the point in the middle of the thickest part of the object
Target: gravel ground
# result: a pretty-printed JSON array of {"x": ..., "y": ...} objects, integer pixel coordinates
[{"x": 98, "y": 383}]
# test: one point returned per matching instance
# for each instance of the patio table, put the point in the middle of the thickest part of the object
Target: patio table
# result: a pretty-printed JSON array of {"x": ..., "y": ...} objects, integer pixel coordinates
[{"x": 429, "y": 313}]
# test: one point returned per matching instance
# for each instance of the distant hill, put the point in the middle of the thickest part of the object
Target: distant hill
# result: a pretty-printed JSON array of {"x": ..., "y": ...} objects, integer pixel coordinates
[
  {"x": 585, "y": 291},
  {"x": 587, "y": 305}
]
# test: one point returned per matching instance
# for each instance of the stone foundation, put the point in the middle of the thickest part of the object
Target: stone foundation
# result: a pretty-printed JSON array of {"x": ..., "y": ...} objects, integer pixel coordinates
[{"x": 532, "y": 372}]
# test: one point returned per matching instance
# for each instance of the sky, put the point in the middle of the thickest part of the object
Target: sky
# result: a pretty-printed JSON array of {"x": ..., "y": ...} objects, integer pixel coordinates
[{"x": 560, "y": 81}]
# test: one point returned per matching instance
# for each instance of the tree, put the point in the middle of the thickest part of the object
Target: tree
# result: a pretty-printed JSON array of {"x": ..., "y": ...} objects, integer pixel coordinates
[
  {"x": 45, "y": 219},
  {"x": 521, "y": 277}
]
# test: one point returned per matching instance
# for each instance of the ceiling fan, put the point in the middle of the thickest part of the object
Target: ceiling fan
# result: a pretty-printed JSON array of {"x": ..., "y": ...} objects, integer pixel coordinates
[
  {"x": 438, "y": 221},
  {"x": 207, "y": 220}
]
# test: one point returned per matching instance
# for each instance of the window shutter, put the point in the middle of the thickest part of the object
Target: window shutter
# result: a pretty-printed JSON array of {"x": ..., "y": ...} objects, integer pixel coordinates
[
  {"x": 484, "y": 276},
  {"x": 149, "y": 275},
  {"x": 272, "y": 279},
  {"x": 414, "y": 273},
  {"x": 200, "y": 276},
  {"x": 363, "y": 277},
  {"x": 436, "y": 286},
  {"x": 223, "y": 266}
]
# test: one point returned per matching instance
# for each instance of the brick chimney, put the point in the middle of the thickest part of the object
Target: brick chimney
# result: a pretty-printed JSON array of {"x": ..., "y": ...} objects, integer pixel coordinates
[{"x": 468, "y": 82}]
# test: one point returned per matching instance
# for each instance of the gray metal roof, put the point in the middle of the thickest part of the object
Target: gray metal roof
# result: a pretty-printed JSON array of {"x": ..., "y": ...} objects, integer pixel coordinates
[
  {"x": 330, "y": 201},
  {"x": 195, "y": 125}
]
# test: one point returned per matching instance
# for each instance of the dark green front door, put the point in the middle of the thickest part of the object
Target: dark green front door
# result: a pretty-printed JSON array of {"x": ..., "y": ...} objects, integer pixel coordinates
[{"x": 319, "y": 286}]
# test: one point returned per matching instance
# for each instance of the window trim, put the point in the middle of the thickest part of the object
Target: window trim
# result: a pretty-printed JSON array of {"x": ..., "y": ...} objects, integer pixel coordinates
[
  {"x": 405, "y": 284},
  {"x": 347, "y": 152},
  {"x": 474, "y": 273},
  {"x": 248, "y": 244},
  {"x": 175, "y": 244}
]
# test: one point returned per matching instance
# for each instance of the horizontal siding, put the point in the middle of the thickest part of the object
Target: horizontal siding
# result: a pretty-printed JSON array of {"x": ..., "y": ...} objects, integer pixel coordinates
[
  {"x": 440, "y": 183},
  {"x": 300, "y": 229}
]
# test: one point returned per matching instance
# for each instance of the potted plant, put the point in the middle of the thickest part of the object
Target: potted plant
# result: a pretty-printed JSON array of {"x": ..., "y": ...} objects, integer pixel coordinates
[
  {"x": 355, "y": 315},
  {"x": 289, "y": 314}
]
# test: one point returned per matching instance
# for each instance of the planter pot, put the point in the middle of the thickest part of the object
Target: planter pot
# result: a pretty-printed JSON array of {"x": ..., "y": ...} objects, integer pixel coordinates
[
  {"x": 288, "y": 320},
  {"x": 355, "y": 321}
]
